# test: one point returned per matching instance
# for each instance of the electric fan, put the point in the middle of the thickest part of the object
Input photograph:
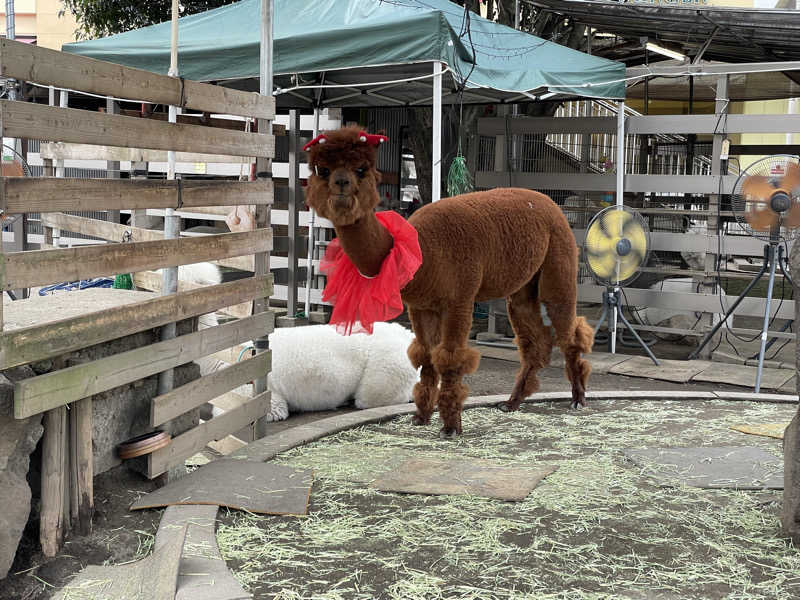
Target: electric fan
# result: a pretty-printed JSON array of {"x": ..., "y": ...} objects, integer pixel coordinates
[
  {"x": 616, "y": 245},
  {"x": 766, "y": 203}
]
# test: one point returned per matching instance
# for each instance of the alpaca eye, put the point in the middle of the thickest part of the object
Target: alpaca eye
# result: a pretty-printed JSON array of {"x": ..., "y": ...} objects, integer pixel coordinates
[
  {"x": 324, "y": 172},
  {"x": 362, "y": 172}
]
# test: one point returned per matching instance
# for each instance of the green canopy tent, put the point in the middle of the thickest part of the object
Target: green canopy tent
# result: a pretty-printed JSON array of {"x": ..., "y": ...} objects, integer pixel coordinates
[
  {"x": 365, "y": 42},
  {"x": 368, "y": 53}
]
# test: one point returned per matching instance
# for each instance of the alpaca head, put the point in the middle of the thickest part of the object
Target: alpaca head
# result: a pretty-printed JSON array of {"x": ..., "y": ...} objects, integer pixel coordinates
[{"x": 343, "y": 186}]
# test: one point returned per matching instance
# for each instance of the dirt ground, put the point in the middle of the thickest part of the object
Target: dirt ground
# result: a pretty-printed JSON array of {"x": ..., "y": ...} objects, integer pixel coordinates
[{"x": 120, "y": 535}]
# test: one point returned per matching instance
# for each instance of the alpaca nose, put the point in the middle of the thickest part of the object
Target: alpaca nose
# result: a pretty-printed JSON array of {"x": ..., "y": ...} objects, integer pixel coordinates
[{"x": 342, "y": 181}]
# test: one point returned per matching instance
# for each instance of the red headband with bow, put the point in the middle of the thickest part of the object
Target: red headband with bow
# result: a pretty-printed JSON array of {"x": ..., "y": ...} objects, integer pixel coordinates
[{"x": 363, "y": 137}]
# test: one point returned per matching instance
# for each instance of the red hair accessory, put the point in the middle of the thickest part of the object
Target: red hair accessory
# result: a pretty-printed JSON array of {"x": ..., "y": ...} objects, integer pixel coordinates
[
  {"x": 372, "y": 140},
  {"x": 320, "y": 139}
]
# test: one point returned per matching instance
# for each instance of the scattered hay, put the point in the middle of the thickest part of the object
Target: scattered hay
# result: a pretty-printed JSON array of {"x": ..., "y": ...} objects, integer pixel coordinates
[{"x": 598, "y": 527}]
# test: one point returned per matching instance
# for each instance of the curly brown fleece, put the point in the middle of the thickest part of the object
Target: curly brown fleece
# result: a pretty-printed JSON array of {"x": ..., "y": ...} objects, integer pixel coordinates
[{"x": 504, "y": 243}]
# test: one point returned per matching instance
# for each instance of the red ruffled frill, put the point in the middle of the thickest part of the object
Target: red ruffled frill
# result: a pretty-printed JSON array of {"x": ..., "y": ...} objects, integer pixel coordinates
[{"x": 361, "y": 301}]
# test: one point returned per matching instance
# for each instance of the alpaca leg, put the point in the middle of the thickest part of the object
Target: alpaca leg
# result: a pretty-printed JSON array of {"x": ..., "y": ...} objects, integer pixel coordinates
[
  {"x": 426, "y": 329},
  {"x": 453, "y": 359},
  {"x": 534, "y": 341},
  {"x": 558, "y": 292}
]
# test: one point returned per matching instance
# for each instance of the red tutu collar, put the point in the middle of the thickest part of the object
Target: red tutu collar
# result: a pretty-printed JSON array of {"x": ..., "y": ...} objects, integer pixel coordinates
[{"x": 360, "y": 301}]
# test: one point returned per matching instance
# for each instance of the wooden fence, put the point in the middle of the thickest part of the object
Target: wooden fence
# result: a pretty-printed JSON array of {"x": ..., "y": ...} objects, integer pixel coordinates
[
  {"x": 689, "y": 195},
  {"x": 72, "y": 387}
]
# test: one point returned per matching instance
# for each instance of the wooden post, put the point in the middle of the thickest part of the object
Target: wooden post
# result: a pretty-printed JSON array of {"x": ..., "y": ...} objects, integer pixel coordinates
[
  {"x": 53, "y": 519},
  {"x": 112, "y": 166},
  {"x": 81, "y": 465}
]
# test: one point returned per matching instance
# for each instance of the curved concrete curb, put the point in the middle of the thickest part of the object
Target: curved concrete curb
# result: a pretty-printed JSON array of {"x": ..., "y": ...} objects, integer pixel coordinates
[{"x": 272, "y": 445}]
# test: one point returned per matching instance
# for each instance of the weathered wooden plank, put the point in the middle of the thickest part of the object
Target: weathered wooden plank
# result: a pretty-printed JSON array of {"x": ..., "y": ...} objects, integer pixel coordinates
[
  {"x": 197, "y": 392},
  {"x": 37, "y": 121},
  {"x": 81, "y": 465},
  {"x": 65, "y": 151},
  {"x": 38, "y": 394},
  {"x": 217, "y": 428},
  {"x": 54, "y": 480},
  {"x": 54, "y": 194},
  {"x": 41, "y": 267},
  {"x": 40, "y": 342},
  {"x": 50, "y": 67},
  {"x": 105, "y": 230},
  {"x": 152, "y": 280}
]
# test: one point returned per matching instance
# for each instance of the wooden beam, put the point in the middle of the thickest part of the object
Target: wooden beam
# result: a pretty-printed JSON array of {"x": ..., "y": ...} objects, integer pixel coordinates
[
  {"x": 198, "y": 392},
  {"x": 65, "y": 151},
  {"x": 196, "y": 439},
  {"x": 53, "y": 194},
  {"x": 45, "y": 392},
  {"x": 48, "y": 340},
  {"x": 152, "y": 281},
  {"x": 50, "y": 67},
  {"x": 42, "y": 267},
  {"x": 105, "y": 230},
  {"x": 37, "y": 121}
]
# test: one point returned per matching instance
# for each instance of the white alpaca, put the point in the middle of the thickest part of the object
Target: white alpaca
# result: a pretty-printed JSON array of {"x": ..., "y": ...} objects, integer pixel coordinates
[{"x": 315, "y": 368}]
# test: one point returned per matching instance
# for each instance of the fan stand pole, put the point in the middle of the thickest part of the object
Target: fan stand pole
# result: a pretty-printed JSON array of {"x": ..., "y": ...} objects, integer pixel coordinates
[
  {"x": 612, "y": 307},
  {"x": 765, "y": 329},
  {"x": 765, "y": 265}
]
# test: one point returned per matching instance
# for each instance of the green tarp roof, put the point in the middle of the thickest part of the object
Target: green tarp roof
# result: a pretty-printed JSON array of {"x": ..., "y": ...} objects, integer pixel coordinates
[{"x": 365, "y": 41}]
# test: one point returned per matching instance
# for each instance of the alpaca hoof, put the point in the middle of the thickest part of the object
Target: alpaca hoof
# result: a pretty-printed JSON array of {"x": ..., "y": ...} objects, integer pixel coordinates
[
  {"x": 417, "y": 420},
  {"x": 578, "y": 400},
  {"x": 449, "y": 433}
]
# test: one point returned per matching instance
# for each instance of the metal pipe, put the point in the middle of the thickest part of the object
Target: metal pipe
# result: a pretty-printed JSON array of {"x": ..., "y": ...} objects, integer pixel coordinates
[
  {"x": 764, "y": 330},
  {"x": 169, "y": 277},
  {"x": 263, "y": 169},
  {"x": 620, "y": 152},
  {"x": 436, "y": 185}
]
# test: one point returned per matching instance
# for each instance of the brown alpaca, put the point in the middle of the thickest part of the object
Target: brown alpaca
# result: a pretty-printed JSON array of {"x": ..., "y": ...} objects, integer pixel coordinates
[{"x": 503, "y": 243}]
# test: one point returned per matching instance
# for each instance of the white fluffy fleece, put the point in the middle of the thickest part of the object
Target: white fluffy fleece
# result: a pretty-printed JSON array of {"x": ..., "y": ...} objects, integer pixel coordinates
[{"x": 315, "y": 368}]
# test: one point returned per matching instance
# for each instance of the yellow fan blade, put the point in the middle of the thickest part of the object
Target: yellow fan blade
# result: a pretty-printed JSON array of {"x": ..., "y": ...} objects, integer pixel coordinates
[
  {"x": 597, "y": 241},
  {"x": 792, "y": 219},
  {"x": 615, "y": 220},
  {"x": 603, "y": 266},
  {"x": 628, "y": 265},
  {"x": 638, "y": 240}
]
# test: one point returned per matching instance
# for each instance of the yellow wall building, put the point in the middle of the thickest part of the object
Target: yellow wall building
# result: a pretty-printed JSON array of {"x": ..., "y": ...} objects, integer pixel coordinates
[{"x": 39, "y": 21}]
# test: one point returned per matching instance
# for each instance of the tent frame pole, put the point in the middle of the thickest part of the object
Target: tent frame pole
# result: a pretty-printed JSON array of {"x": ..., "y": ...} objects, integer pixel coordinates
[{"x": 436, "y": 186}]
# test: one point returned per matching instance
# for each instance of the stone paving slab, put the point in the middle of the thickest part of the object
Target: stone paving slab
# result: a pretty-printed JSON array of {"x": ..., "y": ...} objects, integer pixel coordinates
[
  {"x": 603, "y": 362},
  {"x": 203, "y": 574},
  {"x": 679, "y": 371},
  {"x": 469, "y": 476},
  {"x": 771, "y": 379},
  {"x": 257, "y": 487},
  {"x": 724, "y": 467}
]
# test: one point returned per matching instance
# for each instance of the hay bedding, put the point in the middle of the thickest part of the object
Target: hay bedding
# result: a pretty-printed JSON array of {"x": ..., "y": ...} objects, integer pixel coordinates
[{"x": 599, "y": 527}]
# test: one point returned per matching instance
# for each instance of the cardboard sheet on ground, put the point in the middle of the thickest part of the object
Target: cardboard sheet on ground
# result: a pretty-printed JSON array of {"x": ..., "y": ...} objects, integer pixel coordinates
[
  {"x": 256, "y": 487},
  {"x": 773, "y": 430},
  {"x": 152, "y": 578},
  {"x": 744, "y": 376},
  {"x": 464, "y": 476},
  {"x": 679, "y": 371},
  {"x": 203, "y": 574},
  {"x": 733, "y": 467}
]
